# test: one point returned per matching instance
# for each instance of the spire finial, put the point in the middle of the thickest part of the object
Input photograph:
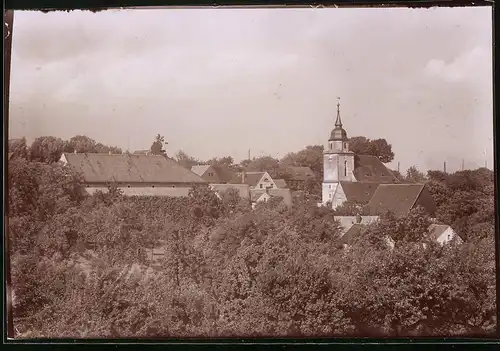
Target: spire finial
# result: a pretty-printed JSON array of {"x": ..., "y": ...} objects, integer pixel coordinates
[{"x": 338, "y": 122}]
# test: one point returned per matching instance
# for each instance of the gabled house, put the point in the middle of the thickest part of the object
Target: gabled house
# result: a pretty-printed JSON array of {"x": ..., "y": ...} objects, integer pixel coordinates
[
  {"x": 216, "y": 174},
  {"x": 297, "y": 176},
  {"x": 256, "y": 180},
  {"x": 443, "y": 234},
  {"x": 135, "y": 175},
  {"x": 400, "y": 199},
  {"x": 258, "y": 195}
]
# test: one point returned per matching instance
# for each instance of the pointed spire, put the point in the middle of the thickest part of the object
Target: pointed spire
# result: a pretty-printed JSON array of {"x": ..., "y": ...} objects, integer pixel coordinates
[{"x": 338, "y": 122}]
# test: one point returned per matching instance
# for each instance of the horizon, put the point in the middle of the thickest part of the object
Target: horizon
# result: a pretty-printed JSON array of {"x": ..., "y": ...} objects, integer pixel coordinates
[{"x": 430, "y": 79}]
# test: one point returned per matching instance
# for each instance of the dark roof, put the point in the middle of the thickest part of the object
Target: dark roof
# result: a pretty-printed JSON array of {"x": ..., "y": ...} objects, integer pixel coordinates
[
  {"x": 359, "y": 192},
  {"x": 251, "y": 178},
  {"x": 286, "y": 194},
  {"x": 396, "y": 198},
  {"x": 371, "y": 169},
  {"x": 243, "y": 189},
  {"x": 280, "y": 183},
  {"x": 124, "y": 168},
  {"x": 224, "y": 173},
  {"x": 352, "y": 234},
  {"x": 299, "y": 173}
]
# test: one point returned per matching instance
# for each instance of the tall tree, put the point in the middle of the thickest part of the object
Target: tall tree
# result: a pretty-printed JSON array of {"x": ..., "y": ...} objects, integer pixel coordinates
[
  {"x": 380, "y": 148},
  {"x": 157, "y": 146},
  {"x": 311, "y": 156},
  {"x": 46, "y": 149},
  {"x": 413, "y": 175},
  {"x": 185, "y": 160},
  {"x": 18, "y": 148}
]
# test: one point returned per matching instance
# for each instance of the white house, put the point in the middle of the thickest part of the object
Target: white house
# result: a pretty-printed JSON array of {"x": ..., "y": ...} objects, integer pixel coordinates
[{"x": 443, "y": 234}]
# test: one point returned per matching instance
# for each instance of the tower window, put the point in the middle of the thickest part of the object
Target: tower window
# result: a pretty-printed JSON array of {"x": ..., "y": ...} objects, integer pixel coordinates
[
  {"x": 331, "y": 145},
  {"x": 345, "y": 145},
  {"x": 345, "y": 168}
]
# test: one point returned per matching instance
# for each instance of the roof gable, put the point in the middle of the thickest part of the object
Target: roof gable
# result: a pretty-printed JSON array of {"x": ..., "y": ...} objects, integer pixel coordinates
[
  {"x": 124, "y": 168},
  {"x": 250, "y": 178},
  {"x": 436, "y": 230},
  {"x": 396, "y": 198},
  {"x": 371, "y": 169},
  {"x": 359, "y": 192},
  {"x": 200, "y": 169}
]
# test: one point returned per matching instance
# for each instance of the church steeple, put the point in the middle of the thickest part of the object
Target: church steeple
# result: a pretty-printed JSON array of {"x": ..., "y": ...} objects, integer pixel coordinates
[
  {"x": 338, "y": 133},
  {"x": 338, "y": 122}
]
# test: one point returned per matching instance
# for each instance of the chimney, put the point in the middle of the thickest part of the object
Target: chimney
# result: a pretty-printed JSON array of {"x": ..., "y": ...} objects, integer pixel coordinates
[{"x": 444, "y": 167}]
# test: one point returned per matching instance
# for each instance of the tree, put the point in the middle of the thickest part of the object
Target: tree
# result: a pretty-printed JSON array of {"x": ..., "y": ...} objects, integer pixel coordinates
[
  {"x": 311, "y": 156},
  {"x": 81, "y": 144},
  {"x": 413, "y": 175},
  {"x": 185, "y": 160},
  {"x": 18, "y": 148},
  {"x": 157, "y": 146},
  {"x": 361, "y": 145},
  {"x": 264, "y": 164},
  {"x": 46, "y": 149}
]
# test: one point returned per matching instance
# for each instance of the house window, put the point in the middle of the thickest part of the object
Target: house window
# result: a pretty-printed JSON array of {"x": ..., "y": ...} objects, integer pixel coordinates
[
  {"x": 261, "y": 186},
  {"x": 329, "y": 186},
  {"x": 329, "y": 195},
  {"x": 173, "y": 186},
  {"x": 210, "y": 174},
  {"x": 128, "y": 186},
  {"x": 152, "y": 186},
  {"x": 266, "y": 180},
  {"x": 449, "y": 237}
]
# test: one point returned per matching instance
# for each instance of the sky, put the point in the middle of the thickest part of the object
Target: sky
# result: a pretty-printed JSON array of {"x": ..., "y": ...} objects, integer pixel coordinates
[{"x": 219, "y": 82}]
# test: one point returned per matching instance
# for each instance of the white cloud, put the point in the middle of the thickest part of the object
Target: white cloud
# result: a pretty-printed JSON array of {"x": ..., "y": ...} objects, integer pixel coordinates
[{"x": 463, "y": 67}]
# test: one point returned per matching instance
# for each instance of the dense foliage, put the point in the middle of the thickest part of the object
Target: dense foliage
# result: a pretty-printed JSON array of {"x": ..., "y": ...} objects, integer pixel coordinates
[{"x": 82, "y": 266}]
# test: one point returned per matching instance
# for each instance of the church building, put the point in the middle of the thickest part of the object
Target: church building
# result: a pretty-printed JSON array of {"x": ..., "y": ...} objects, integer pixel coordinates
[{"x": 365, "y": 180}]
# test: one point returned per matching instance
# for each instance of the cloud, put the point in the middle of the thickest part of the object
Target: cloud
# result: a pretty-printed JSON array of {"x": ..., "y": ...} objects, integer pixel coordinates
[{"x": 465, "y": 66}]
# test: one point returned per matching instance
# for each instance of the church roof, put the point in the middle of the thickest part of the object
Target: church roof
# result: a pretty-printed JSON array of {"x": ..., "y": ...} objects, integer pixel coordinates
[
  {"x": 359, "y": 192},
  {"x": 371, "y": 169},
  {"x": 396, "y": 198}
]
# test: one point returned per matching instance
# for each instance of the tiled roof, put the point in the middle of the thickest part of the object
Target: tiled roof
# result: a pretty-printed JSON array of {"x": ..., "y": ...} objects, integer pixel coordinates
[
  {"x": 224, "y": 173},
  {"x": 200, "y": 169},
  {"x": 371, "y": 169},
  {"x": 352, "y": 233},
  {"x": 251, "y": 178},
  {"x": 359, "y": 192},
  {"x": 123, "y": 168},
  {"x": 146, "y": 191},
  {"x": 300, "y": 173},
  {"x": 280, "y": 183},
  {"x": 436, "y": 230},
  {"x": 284, "y": 193},
  {"x": 243, "y": 189},
  {"x": 396, "y": 198}
]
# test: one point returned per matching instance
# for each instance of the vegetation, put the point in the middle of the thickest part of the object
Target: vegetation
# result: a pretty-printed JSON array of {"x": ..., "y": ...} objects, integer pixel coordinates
[{"x": 82, "y": 267}]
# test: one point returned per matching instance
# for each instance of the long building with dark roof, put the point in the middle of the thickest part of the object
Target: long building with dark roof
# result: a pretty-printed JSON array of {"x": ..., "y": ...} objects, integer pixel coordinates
[{"x": 135, "y": 175}]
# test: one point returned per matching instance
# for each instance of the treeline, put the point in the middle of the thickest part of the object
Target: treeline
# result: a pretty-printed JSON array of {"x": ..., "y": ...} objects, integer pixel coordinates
[{"x": 80, "y": 267}]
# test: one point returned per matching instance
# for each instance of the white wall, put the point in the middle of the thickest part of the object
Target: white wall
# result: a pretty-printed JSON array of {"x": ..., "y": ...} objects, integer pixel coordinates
[
  {"x": 447, "y": 236},
  {"x": 328, "y": 191},
  {"x": 266, "y": 184}
]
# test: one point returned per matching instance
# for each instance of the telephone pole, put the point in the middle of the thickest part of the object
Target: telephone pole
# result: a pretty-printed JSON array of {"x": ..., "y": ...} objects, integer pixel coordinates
[
  {"x": 444, "y": 167},
  {"x": 463, "y": 164}
]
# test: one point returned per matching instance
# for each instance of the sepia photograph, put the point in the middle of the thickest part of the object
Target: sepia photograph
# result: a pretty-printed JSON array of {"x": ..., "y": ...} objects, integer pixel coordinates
[{"x": 205, "y": 173}]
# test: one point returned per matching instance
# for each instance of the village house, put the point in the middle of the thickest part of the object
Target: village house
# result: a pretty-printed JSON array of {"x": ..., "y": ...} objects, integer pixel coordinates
[
  {"x": 298, "y": 176},
  {"x": 135, "y": 175},
  {"x": 243, "y": 190},
  {"x": 258, "y": 195},
  {"x": 256, "y": 180},
  {"x": 217, "y": 174},
  {"x": 443, "y": 234}
]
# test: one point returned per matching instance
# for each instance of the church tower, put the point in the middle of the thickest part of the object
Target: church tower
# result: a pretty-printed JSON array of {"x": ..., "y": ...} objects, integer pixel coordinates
[{"x": 338, "y": 161}]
